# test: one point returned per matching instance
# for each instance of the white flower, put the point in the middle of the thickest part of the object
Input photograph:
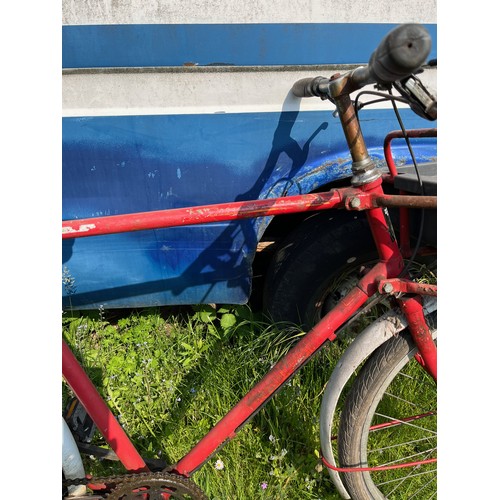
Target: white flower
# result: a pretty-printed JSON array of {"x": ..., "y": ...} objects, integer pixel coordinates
[
  {"x": 219, "y": 465},
  {"x": 272, "y": 438}
]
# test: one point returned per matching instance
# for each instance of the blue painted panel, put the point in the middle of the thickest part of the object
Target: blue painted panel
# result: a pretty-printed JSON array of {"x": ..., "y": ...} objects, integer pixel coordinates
[
  {"x": 146, "y": 45},
  {"x": 123, "y": 164}
]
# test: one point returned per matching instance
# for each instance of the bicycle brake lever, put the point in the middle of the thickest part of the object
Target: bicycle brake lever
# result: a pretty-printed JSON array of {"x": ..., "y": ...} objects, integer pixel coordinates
[{"x": 421, "y": 101}]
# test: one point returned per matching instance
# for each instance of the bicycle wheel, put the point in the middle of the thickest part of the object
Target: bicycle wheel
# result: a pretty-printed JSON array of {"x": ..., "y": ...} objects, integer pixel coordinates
[
  {"x": 390, "y": 419},
  {"x": 316, "y": 265}
]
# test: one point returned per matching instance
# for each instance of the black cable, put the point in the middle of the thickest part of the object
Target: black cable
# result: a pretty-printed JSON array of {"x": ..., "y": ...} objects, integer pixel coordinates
[
  {"x": 383, "y": 97},
  {"x": 420, "y": 184}
]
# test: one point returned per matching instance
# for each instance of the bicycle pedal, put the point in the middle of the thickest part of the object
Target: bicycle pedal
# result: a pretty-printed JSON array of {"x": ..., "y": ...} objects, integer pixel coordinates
[{"x": 79, "y": 422}]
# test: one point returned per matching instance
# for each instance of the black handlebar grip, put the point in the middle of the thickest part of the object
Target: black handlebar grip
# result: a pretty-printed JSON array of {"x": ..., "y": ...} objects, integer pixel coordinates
[
  {"x": 310, "y": 87},
  {"x": 400, "y": 53}
]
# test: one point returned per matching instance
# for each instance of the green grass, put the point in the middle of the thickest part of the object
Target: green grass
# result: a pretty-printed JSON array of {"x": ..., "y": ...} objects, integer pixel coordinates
[{"x": 170, "y": 378}]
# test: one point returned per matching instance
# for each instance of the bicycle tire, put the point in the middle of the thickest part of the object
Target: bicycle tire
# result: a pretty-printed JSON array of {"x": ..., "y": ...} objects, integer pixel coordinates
[
  {"x": 315, "y": 266},
  {"x": 391, "y": 387}
]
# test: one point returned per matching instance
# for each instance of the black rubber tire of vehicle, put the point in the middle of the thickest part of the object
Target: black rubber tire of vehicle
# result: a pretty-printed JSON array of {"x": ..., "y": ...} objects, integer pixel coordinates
[
  {"x": 310, "y": 269},
  {"x": 368, "y": 404}
]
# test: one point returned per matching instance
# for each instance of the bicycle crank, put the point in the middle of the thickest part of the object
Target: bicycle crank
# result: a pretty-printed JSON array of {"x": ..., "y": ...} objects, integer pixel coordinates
[
  {"x": 146, "y": 486},
  {"x": 155, "y": 486}
]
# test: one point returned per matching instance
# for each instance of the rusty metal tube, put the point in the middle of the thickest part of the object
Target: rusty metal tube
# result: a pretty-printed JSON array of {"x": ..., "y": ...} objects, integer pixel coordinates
[{"x": 405, "y": 201}]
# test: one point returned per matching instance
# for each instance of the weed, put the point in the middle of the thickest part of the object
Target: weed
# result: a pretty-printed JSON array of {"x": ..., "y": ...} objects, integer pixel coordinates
[{"x": 169, "y": 379}]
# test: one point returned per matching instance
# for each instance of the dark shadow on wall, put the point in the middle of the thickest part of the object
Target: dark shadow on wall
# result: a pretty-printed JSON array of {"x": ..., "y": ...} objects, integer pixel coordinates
[{"x": 233, "y": 250}]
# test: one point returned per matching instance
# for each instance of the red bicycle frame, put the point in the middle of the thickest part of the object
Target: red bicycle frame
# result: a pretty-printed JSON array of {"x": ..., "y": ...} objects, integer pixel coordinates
[{"x": 368, "y": 196}]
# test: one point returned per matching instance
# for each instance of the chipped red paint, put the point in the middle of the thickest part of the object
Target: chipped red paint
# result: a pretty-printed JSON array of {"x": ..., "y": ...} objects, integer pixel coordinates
[
  {"x": 198, "y": 215},
  {"x": 350, "y": 198},
  {"x": 420, "y": 332},
  {"x": 393, "y": 286}
]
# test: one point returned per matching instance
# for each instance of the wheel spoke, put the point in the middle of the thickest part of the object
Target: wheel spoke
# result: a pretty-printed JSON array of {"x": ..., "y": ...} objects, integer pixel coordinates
[
  {"x": 396, "y": 421},
  {"x": 406, "y": 423},
  {"x": 399, "y": 480},
  {"x": 406, "y": 458},
  {"x": 407, "y": 402},
  {"x": 426, "y": 485}
]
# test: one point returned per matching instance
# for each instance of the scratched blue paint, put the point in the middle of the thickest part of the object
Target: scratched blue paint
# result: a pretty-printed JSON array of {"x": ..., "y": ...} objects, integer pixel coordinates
[
  {"x": 146, "y": 45},
  {"x": 123, "y": 164}
]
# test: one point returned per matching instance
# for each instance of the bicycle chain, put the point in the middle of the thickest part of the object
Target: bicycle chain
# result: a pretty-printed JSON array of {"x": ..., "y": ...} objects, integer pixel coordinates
[
  {"x": 121, "y": 482},
  {"x": 93, "y": 480}
]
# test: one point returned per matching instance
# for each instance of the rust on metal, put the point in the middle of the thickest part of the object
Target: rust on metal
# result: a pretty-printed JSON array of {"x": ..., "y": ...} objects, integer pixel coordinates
[
  {"x": 396, "y": 285},
  {"x": 351, "y": 127},
  {"x": 363, "y": 199},
  {"x": 199, "y": 215},
  {"x": 401, "y": 200}
]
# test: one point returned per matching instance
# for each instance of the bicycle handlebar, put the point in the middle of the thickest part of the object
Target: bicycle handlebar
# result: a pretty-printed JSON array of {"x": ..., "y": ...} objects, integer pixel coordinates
[
  {"x": 311, "y": 87},
  {"x": 400, "y": 53}
]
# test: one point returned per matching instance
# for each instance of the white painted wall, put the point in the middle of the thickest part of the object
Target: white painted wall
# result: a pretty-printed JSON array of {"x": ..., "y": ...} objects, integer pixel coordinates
[
  {"x": 128, "y": 93},
  {"x": 247, "y": 11}
]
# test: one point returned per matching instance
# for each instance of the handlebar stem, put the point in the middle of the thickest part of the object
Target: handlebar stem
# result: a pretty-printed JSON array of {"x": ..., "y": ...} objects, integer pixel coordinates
[
  {"x": 363, "y": 168},
  {"x": 347, "y": 83}
]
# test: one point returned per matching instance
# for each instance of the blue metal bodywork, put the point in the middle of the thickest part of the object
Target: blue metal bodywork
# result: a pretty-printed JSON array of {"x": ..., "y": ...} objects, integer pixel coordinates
[
  {"x": 143, "y": 45},
  {"x": 157, "y": 162},
  {"x": 134, "y": 163}
]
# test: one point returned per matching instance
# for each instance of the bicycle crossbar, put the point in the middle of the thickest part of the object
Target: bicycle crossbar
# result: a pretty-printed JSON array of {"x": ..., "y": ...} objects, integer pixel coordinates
[
  {"x": 349, "y": 198},
  {"x": 198, "y": 215}
]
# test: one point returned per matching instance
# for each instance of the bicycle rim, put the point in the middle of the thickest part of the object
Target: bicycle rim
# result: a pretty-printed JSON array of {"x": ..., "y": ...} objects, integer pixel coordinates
[{"x": 390, "y": 420}]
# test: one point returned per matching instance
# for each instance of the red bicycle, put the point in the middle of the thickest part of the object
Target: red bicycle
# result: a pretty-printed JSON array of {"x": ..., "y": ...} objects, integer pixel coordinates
[{"x": 397, "y": 352}]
